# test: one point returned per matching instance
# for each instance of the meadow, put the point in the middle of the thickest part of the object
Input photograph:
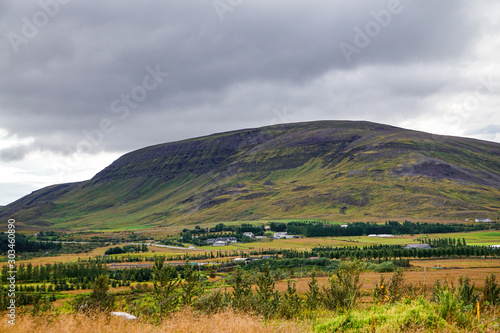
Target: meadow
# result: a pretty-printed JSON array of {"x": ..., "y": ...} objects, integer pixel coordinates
[{"x": 418, "y": 311}]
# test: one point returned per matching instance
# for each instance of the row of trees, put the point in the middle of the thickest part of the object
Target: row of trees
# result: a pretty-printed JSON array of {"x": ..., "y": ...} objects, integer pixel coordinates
[
  {"x": 443, "y": 242},
  {"x": 126, "y": 249},
  {"x": 389, "y": 252},
  {"x": 257, "y": 294},
  {"x": 87, "y": 270},
  {"x": 23, "y": 244},
  {"x": 79, "y": 271},
  {"x": 170, "y": 292},
  {"x": 390, "y": 227}
]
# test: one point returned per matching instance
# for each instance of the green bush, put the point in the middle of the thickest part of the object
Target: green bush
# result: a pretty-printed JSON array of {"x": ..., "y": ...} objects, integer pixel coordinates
[
  {"x": 344, "y": 287},
  {"x": 212, "y": 302},
  {"x": 491, "y": 294},
  {"x": 418, "y": 315}
]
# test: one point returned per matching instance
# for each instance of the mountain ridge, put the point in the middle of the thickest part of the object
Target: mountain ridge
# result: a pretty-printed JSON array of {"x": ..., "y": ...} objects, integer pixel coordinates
[{"x": 326, "y": 169}]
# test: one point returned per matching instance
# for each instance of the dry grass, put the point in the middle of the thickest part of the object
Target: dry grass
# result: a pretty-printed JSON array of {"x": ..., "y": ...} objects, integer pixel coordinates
[
  {"x": 449, "y": 272},
  {"x": 182, "y": 322}
]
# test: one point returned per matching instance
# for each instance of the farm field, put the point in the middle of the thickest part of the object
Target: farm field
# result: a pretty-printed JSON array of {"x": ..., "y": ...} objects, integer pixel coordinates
[
  {"x": 484, "y": 238},
  {"x": 444, "y": 270},
  {"x": 131, "y": 281},
  {"x": 480, "y": 238}
]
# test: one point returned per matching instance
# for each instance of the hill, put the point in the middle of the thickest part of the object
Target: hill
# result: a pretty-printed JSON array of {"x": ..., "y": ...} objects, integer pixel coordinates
[{"x": 337, "y": 170}]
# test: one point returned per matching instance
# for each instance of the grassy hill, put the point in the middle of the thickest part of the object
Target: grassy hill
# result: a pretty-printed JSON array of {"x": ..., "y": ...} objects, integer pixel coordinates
[{"x": 336, "y": 170}]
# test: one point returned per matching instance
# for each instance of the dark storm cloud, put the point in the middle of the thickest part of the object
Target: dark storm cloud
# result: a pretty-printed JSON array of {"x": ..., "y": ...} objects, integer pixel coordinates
[{"x": 62, "y": 83}]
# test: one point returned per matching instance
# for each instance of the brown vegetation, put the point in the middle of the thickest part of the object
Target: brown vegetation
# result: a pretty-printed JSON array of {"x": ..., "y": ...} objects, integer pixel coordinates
[{"x": 181, "y": 322}]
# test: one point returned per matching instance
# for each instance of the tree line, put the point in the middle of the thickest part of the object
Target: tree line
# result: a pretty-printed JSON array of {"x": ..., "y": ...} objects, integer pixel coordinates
[
  {"x": 23, "y": 244},
  {"x": 390, "y": 227}
]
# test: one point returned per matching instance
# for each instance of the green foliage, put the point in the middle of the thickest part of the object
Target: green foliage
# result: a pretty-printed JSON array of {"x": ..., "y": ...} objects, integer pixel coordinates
[
  {"x": 393, "y": 290},
  {"x": 99, "y": 299},
  {"x": 491, "y": 294},
  {"x": 41, "y": 304},
  {"x": 396, "y": 286},
  {"x": 242, "y": 290},
  {"x": 191, "y": 285},
  {"x": 23, "y": 244},
  {"x": 213, "y": 302},
  {"x": 418, "y": 316},
  {"x": 266, "y": 299},
  {"x": 313, "y": 295},
  {"x": 344, "y": 287},
  {"x": 456, "y": 304},
  {"x": 448, "y": 304},
  {"x": 386, "y": 266},
  {"x": 290, "y": 306},
  {"x": 165, "y": 282},
  {"x": 466, "y": 293}
]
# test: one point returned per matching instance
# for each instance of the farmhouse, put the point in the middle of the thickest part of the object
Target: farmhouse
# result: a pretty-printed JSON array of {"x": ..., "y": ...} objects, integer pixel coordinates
[
  {"x": 221, "y": 241},
  {"x": 484, "y": 220},
  {"x": 418, "y": 246},
  {"x": 241, "y": 259},
  {"x": 248, "y": 234},
  {"x": 280, "y": 235}
]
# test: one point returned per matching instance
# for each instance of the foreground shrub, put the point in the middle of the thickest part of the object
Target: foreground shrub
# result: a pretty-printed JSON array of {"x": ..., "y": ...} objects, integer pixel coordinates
[
  {"x": 165, "y": 282},
  {"x": 267, "y": 300},
  {"x": 290, "y": 306},
  {"x": 99, "y": 300},
  {"x": 417, "y": 316},
  {"x": 344, "y": 287},
  {"x": 213, "y": 302},
  {"x": 491, "y": 294},
  {"x": 242, "y": 290}
]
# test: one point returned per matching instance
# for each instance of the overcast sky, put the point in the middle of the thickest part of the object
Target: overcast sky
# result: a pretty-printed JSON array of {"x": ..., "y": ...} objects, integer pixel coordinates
[{"x": 82, "y": 82}]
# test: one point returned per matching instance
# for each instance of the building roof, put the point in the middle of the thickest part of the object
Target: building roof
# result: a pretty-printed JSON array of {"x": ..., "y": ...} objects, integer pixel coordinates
[{"x": 418, "y": 246}]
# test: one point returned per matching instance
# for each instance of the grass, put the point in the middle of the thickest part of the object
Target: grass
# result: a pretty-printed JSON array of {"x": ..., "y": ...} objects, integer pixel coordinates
[
  {"x": 182, "y": 322},
  {"x": 409, "y": 316}
]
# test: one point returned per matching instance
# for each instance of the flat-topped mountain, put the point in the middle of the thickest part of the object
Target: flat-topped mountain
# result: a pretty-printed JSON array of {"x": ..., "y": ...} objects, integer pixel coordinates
[{"x": 337, "y": 170}]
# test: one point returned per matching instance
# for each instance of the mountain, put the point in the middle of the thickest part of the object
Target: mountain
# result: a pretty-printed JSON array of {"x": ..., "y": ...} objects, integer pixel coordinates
[{"x": 336, "y": 170}]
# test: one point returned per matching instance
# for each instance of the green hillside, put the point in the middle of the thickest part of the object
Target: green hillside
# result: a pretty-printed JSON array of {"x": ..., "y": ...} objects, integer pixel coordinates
[{"x": 335, "y": 170}]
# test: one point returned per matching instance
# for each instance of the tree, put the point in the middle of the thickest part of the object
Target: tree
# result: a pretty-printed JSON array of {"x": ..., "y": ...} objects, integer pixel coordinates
[
  {"x": 290, "y": 305},
  {"x": 313, "y": 295},
  {"x": 267, "y": 299},
  {"x": 100, "y": 299},
  {"x": 466, "y": 292},
  {"x": 242, "y": 289},
  {"x": 344, "y": 287},
  {"x": 491, "y": 290},
  {"x": 165, "y": 281},
  {"x": 191, "y": 284}
]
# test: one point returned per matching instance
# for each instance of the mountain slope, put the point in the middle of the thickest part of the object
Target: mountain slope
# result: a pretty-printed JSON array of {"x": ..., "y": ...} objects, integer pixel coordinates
[{"x": 331, "y": 170}]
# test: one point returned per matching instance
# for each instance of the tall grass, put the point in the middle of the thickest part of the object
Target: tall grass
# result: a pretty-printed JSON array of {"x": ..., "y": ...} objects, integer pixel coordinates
[{"x": 185, "y": 321}]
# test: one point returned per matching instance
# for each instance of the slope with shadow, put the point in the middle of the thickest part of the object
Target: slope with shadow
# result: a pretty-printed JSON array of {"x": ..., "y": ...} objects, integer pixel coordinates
[{"x": 330, "y": 170}]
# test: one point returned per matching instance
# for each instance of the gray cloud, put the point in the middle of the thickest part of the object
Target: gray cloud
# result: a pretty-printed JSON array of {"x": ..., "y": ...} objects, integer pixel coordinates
[
  {"x": 16, "y": 153},
  {"x": 223, "y": 74}
]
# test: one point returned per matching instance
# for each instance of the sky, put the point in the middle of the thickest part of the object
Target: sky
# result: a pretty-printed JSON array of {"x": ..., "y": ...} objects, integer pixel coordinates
[{"x": 83, "y": 82}]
